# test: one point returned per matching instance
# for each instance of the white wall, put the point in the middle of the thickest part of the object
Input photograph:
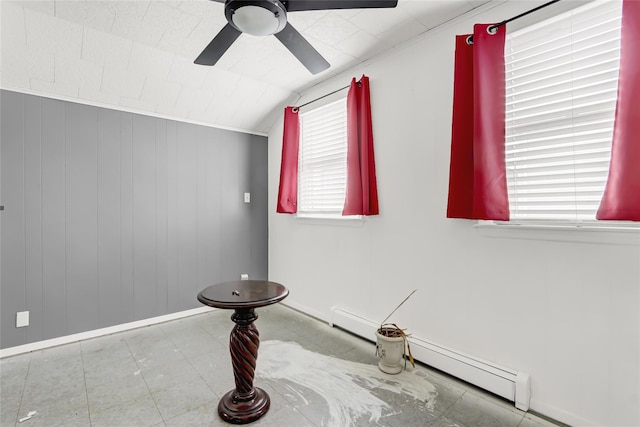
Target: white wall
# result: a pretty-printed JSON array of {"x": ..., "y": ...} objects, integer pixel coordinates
[{"x": 564, "y": 311}]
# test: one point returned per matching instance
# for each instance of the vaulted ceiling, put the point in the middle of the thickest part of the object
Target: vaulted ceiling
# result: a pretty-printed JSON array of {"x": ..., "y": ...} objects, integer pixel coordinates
[{"x": 138, "y": 55}]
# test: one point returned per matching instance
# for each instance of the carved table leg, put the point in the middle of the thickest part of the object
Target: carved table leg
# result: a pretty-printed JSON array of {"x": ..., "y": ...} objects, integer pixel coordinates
[{"x": 245, "y": 403}]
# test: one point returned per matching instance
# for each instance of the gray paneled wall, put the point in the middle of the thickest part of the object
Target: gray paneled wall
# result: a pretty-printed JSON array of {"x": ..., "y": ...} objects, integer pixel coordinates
[{"x": 112, "y": 217}]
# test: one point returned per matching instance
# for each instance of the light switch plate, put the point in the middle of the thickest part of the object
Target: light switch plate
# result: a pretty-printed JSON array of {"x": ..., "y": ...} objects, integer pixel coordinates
[{"x": 247, "y": 197}]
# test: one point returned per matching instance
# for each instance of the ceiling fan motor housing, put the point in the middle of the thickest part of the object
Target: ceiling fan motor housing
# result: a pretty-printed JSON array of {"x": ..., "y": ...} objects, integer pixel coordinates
[{"x": 256, "y": 17}]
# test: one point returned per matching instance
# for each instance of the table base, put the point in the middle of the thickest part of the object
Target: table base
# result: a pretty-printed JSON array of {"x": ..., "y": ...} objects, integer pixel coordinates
[{"x": 238, "y": 411}]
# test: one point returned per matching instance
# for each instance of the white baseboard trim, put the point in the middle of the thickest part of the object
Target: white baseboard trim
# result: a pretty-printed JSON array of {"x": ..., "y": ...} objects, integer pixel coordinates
[
  {"x": 67, "y": 339},
  {"x": 561, "y": 415},
  {"x": 306, "y": 310}
]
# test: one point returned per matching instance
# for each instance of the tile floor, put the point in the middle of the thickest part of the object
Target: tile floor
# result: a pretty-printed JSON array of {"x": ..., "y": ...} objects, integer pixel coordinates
[{"x": 173, "y": 374}]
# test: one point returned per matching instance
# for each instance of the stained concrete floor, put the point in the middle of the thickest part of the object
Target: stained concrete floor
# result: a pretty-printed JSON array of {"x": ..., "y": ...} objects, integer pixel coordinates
[{"x": 173, "y": 374}]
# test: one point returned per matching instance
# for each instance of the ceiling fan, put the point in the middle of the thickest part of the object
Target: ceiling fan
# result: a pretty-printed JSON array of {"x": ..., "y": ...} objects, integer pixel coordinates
[{"x": 267, "y": 17}]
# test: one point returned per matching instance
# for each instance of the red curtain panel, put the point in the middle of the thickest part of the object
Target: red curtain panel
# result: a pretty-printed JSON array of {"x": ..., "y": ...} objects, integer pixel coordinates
[
  {"x": 288, "y": 189},
  {"x": 361, "y": 196},
  {"x": 460, "y": 203},
  {"x": 477, "y": 173},
  {"x": 621, "y": 199},
  {"x": 490, "y": 199}
]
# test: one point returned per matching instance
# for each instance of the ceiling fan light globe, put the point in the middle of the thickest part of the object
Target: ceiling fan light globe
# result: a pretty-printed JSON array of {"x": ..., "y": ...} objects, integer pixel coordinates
[
  {"x": 255, "y": 20},
  {"x": 256, "y": 17}
]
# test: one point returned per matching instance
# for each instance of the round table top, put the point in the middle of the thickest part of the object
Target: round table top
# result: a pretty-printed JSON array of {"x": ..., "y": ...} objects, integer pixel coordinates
[{"x": 243, "y": 294}]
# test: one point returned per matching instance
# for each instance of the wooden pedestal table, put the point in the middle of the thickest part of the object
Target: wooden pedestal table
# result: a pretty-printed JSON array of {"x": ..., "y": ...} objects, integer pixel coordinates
[{"x": 245, "y": 403}]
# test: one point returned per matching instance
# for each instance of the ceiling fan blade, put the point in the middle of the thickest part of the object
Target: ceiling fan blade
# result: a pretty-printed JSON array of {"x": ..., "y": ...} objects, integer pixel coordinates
[
  {"x": 218, "y": 46},
  {"x": 302, "y": 49},
  {"x": 300, "y": 5}
]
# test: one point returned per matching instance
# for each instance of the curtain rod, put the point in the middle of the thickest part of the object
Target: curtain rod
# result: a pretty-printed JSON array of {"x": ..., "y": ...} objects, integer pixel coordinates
[
  {"x": 506, "y": 21},
  {"x": 469, "y": 40},
  {"x": 320, "y": 97}
]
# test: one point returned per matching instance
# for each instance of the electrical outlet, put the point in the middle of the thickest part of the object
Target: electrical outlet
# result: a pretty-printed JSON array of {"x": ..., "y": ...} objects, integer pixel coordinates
[
  {"x": 247, "y": 197},
  {"x": 22, "y": 319},
  {"x": 244, "y": 276}
]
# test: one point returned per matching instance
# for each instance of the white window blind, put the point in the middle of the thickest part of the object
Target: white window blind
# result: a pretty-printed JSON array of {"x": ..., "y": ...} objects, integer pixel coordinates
[
  {"x": 323, "y": 160},
  {"x": 561, "y": 88}
]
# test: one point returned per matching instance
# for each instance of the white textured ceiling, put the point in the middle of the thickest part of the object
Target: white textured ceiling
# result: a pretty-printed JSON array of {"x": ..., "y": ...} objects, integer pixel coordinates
[{"x": 138, "y": 55}]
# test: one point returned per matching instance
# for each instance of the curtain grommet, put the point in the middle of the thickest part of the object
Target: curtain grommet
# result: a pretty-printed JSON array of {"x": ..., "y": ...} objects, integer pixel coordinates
[
  {"x": 469, "y": 40},
  {"x": 492, "y": 30}
]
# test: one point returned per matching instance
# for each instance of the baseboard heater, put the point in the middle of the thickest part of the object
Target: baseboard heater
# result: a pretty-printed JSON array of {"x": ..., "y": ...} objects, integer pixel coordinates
[{"x": 507, "y": 383}]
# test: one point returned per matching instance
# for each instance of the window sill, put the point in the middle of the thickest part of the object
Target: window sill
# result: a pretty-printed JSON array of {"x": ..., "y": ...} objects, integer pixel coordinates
[
  {"x": 562, "y": 233},
  {"x": 355, "y": 221}
]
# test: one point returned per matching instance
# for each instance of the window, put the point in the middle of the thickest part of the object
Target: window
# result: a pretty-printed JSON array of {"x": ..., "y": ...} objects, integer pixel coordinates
[
  {"x": 561, "y": 88},
  {"x": 323, "y": 160}
]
